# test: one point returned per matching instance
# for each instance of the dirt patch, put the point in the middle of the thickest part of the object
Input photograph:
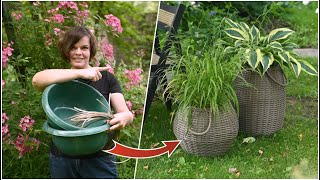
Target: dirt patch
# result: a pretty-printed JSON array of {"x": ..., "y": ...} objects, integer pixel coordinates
[{"x": 307, "y": 106}]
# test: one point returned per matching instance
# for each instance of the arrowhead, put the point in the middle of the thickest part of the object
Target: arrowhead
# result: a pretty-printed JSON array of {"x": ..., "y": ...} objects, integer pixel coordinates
[{"x": 171, "y": 146}]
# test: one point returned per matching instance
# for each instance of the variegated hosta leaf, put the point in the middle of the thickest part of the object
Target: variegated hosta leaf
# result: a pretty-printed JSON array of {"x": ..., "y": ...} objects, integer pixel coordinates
[
  {"x": 284, "y": 56},
  {"x": 259, "y": 55},
  {"x": 296, "y": 66},
  {"x": 255, "y": 35},
  {"x": 267, "y": 60},
  {"x": 244, "y": 27},
  {"x": 308, "y": 68},
  {"x": 229, "y": 49},
  {"x": 238, "y": 43},
  {"x": 280, "y": 33},
  {"x": 237, "y": 34},
  {"x": 289, "y": 46},
  {"x": 232, "y": 24},
  {"x": 252, "y": 59},
  {"x": 275, "y": 46},
  {"x": 263, "y": 40}
]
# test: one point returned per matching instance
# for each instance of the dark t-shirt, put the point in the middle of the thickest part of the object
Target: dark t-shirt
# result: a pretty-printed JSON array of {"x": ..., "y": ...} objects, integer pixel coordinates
[{"x": 106, "y": 85}]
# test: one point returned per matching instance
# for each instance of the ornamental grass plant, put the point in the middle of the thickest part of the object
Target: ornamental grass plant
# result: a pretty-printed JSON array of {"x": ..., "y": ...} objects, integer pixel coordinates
[{"x": 204, "y": 80}]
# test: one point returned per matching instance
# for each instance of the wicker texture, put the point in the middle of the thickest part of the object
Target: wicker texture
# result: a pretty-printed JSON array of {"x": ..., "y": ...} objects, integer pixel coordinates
[
  {"x": 262, "y": 107},
  {"x": 216, "y": 137}
]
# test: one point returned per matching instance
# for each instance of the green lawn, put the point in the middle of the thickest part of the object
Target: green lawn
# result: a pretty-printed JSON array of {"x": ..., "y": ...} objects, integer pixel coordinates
[{"x": 291, "y": 152}]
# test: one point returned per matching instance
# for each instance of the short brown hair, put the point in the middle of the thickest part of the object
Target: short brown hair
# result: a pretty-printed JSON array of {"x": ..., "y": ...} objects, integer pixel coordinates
[{"x": 71, "y": 37}]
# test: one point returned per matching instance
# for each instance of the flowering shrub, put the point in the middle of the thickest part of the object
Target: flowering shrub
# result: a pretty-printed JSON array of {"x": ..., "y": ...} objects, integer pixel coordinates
[
  {"x": 113, "y": 22},
  {"x": 35, "y": 49},
  {"x": 23, "y": 143},
  {"x": 38, "y": 51},
  {"x": 6, "y": 53}
]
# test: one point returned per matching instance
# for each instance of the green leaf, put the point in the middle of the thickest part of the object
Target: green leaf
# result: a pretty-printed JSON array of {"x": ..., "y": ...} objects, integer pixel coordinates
[
  {"x": 182, "y": 161},
  {"x": 289, "y": 46},
  {"x": 249, "y": 140},
  {"x": 255, "y": 35},
  {"x": 259, "y": 55},
  {"x": 229, "y": 49},
  {"x": 263, "y": 41},
  {"x": 284, "y": 56},
  {"x": 275, "y": 46},
  {"x": 308, "y": 68},
  {"x": 244, "y": 27},
  {"x": 251, "y": 57},
  {"x": 267, "y": 60},
  {"x": 280, "y": 33},
  {"x": 231, "y": 23},
  {"x": 237, "y": 34},
  {"x": 296, "y": 66},
  {"x": 237, "y": 43}
]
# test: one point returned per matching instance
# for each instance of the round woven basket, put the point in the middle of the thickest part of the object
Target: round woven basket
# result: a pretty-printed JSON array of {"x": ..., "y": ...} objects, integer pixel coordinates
[
  {"x": 262, "y": 107},
  {"x": 206, "y": 135}
]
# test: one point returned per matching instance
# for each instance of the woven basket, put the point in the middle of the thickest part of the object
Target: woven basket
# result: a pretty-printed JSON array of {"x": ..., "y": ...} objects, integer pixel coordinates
[
  {"x": 207, "y": 135},
  {"x": 262, "y": 106}
]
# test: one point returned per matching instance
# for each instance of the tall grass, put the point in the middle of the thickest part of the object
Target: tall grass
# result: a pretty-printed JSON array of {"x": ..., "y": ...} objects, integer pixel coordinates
[{"x": 204, "y": 80}]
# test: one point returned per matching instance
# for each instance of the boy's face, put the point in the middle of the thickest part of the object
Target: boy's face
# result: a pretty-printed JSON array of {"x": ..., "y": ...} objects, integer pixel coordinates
[{"x": 79, "y": 55}]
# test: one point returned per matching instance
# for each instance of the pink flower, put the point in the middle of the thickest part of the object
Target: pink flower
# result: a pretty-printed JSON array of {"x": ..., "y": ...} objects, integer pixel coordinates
[
  {"x": 111, "y": 69},
  {"x": 114, "y": 22},
  {"x": 52, "y": 11},
  {"x": 17, "y": 16},
  {"x": 82, "y": 14},
  {"x": 13, "y": 102},
  {"x": 129, "y": 105},
  {"x": 58, "y": 31},
  {"x": 5, "y": 118},
  {"x": 6, "y": 53},
  {"x": 68, "y": 4},
  {"x": 106, "y": 49},
  {"x": 133, "y": 77},
  {"x": 3, "y": 83},
  {"x": 6, "y": 138},
  {"x": 84, "y": 4},
  {"x": 5, "y": 129},
  {"x": 58, "y": 18},
  {"x": 26, "y": 123},
  {"x": 36, "y": 142},
  {"x": 20, "y": 146}
]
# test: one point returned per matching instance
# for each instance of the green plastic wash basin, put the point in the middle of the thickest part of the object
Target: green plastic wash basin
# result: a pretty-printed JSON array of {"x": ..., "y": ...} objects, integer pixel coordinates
[
  {"x": 79, "y": 142},
  {"x": 60, "y": 100}
]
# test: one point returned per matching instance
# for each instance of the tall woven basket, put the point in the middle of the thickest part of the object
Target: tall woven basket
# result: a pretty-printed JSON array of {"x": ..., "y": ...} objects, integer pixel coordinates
[
  {"x": 262, "y": 107},
  {"x": 205, "y": 135}
]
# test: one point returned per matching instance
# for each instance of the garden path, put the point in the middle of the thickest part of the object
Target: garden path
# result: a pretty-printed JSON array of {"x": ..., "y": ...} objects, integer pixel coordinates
[{"x": 308, "y": 52}]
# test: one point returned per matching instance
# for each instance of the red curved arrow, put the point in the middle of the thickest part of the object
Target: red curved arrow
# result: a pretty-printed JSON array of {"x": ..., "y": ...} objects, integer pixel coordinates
[{"x": 129, "y": 152}]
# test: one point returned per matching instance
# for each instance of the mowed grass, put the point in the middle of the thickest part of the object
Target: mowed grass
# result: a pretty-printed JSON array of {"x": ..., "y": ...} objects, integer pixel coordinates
[{"x": 291, "y": 152}]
